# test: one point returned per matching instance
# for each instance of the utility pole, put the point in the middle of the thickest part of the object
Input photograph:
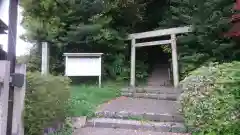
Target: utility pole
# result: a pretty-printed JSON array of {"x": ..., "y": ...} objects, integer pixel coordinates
[{"x": 11, "y": 56}]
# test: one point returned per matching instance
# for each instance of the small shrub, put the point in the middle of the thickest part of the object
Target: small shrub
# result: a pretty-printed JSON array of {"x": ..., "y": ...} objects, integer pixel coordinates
[
  {"x": 66, "y": 130},
  {"x": 45, "y": 102},
  {"x": 210, "y": 101}
]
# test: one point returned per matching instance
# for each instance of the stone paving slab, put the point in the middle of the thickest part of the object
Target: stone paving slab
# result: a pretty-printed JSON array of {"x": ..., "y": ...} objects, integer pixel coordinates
[
  {"x": 134, "y": 124},
  {"x": 111, "y": 131},
  {"x": 140, "y": 105}
]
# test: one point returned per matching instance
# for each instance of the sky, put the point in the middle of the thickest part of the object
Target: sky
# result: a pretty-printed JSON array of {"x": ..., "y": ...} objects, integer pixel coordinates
[{"x": 22, "y": 47}]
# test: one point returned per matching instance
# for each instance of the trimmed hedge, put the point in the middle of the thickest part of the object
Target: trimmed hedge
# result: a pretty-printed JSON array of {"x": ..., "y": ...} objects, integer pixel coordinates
[
  {"x": 210, "y": 101},
  {"x": 45, "y": 102}
]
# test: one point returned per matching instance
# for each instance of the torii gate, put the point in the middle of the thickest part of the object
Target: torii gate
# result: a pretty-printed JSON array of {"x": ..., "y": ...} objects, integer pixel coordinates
[{"x": 156, "y": 33}]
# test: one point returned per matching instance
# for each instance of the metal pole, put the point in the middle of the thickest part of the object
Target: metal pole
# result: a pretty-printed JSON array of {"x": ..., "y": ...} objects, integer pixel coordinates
[{"x": 12, "y": 32}]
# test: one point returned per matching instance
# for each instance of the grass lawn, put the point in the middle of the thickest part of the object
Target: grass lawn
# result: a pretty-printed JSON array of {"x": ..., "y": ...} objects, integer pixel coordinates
[{"x": 85, "y": 98}]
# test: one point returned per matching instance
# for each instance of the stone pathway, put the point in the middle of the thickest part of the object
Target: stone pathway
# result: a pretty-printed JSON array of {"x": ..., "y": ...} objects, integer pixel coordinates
[
  {"x": 160, "y": 76},
  {"x": 137, "y": 116},
  {"x": 151, "y": 110}
]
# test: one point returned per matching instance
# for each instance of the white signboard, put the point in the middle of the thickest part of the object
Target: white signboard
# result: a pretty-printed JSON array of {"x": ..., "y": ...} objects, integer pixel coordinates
[{"x": 83, "y": 64}]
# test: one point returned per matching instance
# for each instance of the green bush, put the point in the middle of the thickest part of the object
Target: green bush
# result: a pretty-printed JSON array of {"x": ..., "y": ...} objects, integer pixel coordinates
[
  {"x": 67, "y": 129},
  {"x": 45, "y": 102},
  {"x": 210, "y": 101},
  {"x": 119, "y": 68}
]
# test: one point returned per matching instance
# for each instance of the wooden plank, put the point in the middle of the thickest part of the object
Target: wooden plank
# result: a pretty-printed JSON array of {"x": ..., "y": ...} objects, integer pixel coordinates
[
  {"x": 161, "y": 32},
  {"x": 162, "y": 42},
  {"x": 174, "y": 60},
  {"x": 133, "y": 59},
  {"x": 83, "y": 54},
  {"x": 4, "y": 94},
  {"x": 18, "y": 107}
]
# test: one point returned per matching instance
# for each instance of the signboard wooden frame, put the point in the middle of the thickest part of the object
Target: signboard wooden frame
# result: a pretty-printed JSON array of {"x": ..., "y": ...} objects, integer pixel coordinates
[{"x": 84, "y": 64}]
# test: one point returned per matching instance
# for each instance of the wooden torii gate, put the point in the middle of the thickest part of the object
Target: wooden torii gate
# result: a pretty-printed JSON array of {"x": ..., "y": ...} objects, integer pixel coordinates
[{"x": 157, "y": 33}]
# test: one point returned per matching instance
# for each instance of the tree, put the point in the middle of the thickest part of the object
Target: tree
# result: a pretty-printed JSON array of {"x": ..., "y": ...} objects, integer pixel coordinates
[
  {"x": 102, "y": 25},
  {"x": 84, "y": 26},
  {"x": 210, "y": 20}
]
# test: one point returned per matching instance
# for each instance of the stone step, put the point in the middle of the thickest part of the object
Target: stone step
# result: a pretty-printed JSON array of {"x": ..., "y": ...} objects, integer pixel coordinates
[
  {"x": 154, "y": 89},
  {"x": 113, "y": 131},
  {"x": 137, "y": 125},
  {"x": 141, "y": 106},
  {"x": 160, "y": 117},
  {"x": 163, "y": 96},
  {"x": 160, "y": 84}
]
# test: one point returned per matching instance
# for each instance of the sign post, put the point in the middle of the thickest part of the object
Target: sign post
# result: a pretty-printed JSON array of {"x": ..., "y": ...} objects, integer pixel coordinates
[{"x": 84, "y": 64}]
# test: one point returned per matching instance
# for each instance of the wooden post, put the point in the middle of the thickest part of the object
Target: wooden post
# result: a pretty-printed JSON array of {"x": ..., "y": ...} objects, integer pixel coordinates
[
  {"x": 99, "y": 81},
  {"x": 100, "y": 76},
  {"x": 45, "y": 58},
  {"x": 4, "y": 93},
  {"x": 66, "y": 61},
  {"x": 174, "y": 60},
  {"x": 12, "y": 34},
  {"x": 18, "y": 107},
  {"x": 133, "y": 59}
]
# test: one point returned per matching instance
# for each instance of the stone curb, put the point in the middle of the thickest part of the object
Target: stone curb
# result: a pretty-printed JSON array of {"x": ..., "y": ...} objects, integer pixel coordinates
[
  {"x": 136, "y": 125},
  {"x": 172, "y": 97},
  {"x": 146, "y": 116}
]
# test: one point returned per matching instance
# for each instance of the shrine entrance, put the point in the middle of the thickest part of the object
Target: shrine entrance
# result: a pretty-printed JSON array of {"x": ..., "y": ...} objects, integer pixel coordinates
[
  {"x": 159, "y": 65},
  {"x": 172, "y": 33}
]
